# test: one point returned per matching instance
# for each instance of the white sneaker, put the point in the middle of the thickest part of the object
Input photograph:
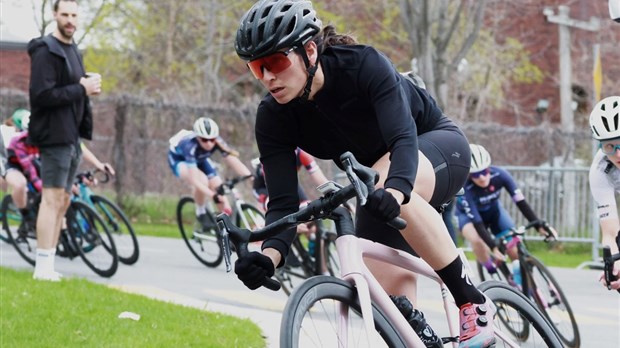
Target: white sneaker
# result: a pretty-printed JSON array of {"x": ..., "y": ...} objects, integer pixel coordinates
[{"x": 51, "y": 277}]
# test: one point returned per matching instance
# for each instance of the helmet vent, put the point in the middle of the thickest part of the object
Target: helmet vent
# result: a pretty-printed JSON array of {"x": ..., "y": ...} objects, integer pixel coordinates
[
  {"x": 266, "y": 11},
  {"x": 291, "y": 26}
]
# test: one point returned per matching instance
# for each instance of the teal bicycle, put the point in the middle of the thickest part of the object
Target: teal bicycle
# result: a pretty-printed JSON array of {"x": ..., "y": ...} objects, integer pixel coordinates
[
  {"x": 85, "y": 235},
  {"x": 115, "y": 219}
]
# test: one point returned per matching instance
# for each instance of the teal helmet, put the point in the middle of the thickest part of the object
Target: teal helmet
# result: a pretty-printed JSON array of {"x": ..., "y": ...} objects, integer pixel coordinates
[{"x": 18, "y": 118}]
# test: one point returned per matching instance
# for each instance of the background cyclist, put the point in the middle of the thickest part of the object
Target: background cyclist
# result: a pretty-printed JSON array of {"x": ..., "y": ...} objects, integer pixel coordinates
[
  {"x": 604, "y": 174},
  {"x": 329, "y": 95},
  {"x": 23, "y": 166},
  {"x": 189, "y": 158},
  {"x": 480, "y": 209}
]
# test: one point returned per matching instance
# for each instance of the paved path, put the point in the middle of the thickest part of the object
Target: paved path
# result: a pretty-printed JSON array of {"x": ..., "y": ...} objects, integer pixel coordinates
[{"x": 167, "y": 271}]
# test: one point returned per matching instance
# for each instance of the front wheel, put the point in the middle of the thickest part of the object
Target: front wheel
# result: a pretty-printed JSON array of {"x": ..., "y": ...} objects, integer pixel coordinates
[
  {"x": 550, "y": 298},
  {"x": 515, "y": 311},
  {"x": 91, "y": 239},
  {"x": 23, "y": 238},
  {"x": 119, "y": 226},
  {"x": 312, "y": 314},
  {"x": 204, "y": 245}
]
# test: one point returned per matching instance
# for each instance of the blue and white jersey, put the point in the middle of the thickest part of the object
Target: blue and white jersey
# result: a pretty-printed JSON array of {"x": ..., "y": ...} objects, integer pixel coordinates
[
  {"x": 486, "y": 200},
  {"x": 185, "y": 147}
]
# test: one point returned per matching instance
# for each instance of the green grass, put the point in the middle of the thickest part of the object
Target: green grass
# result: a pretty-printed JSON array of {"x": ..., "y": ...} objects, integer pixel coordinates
[
  {"x": 157, "y": 230},
  {"x": 569, "y": 255},
  {"x": 78, "y": 313}
]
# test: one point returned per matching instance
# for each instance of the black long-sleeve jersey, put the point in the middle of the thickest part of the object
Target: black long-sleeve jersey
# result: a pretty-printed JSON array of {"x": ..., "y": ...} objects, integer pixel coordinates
[{"x": 365, "y": 106}]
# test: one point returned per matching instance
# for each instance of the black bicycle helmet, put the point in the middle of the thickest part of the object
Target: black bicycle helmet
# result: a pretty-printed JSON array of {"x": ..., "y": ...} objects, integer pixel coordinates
[{"x": 271, "y": 25}]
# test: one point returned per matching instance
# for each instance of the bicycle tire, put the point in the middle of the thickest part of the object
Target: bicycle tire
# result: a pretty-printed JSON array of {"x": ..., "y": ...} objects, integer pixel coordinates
[
  {"x": 121, "y": 229},
  {"x": 205, "y": 246},
  {"x": 314, "y": 300},
  {"x": 518, "y": 332},
  {"x": 91, "y": 239},
  {"x": 4, "y": 234},
  {"x": 24, "y": 243},
  {"x": 546, "y": 290},
  {"x": 514, "y": 305}
]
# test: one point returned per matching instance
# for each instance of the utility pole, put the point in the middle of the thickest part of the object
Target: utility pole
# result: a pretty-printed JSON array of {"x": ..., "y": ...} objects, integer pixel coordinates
[{"x": 563, "y": 20}]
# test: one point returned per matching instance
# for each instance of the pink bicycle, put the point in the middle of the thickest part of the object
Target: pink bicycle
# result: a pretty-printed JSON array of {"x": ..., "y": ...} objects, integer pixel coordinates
[{"x": 353, "y": 310}]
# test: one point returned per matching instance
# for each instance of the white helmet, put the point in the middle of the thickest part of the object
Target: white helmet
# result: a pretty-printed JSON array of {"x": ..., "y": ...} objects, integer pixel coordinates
[
  {"x": 205, "y": 127},
  {"x": 480, "y": 158},
  {"x": 25, "y": 121},
  {"x": 605, "y": 119},
  {"x": 614, "y": 10}
]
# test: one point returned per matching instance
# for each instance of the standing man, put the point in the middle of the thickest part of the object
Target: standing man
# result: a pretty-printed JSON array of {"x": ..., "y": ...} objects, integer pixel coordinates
[{"x": 61, "y": 114}]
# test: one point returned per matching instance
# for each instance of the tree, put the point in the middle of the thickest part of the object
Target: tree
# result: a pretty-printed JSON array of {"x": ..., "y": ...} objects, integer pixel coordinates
[
  {"x": 180, "y": 50},
  {"x": 433, "y": 26},
  {"x": 91, "y": 12}
]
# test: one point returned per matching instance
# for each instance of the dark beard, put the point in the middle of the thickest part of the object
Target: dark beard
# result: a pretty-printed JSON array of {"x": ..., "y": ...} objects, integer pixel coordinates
[{"x": 64, "y": 34}]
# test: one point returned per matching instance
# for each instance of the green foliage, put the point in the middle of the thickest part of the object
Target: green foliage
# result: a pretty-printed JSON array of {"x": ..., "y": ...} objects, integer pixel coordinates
[
  {"x": 497, "y": 65},
  {"x": 78, "y": 313}
]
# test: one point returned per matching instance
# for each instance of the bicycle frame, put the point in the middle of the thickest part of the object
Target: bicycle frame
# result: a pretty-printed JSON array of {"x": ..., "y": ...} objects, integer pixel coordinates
[{"x": 351, "y": 251}]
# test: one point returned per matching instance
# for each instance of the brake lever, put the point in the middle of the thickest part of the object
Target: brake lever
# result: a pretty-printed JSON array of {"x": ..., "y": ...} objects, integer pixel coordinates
[
  {"x": 240, "y": 239},
  {"x": 362, "y": 187},
  {"x": 225, "y": 237},
  {"x": 608, "y": 268}
]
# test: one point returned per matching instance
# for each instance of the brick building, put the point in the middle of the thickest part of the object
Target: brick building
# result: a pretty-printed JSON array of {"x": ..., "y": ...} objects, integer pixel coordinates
[{"x": 14, "y": 65}]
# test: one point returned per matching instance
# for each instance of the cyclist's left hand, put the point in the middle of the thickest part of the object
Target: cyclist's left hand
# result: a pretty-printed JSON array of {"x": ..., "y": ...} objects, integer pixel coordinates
[
  {"x": 382, "y": 205},
  {"x": 615, "y": 285}
]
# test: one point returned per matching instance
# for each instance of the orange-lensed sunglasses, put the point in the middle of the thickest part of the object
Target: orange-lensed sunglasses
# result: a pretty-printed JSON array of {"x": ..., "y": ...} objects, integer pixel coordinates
[{"x": 275, "y": 63}]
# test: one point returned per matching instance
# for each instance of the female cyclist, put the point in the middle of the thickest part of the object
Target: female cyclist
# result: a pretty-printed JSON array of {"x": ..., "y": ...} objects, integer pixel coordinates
[
  {"x": 329, "y": 95},
  {"x": 189, "y": 159},
  {"x": 605, "y": 174},
  {"x": 480, "y": 208}
]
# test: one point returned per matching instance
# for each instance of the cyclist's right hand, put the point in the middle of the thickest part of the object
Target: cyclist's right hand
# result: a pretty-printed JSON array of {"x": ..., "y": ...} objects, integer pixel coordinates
[
  {"x": 615, "y": 285},
  {"x": 498, "y": 254},
  {"x": 253, "y": 268},
  {"x": 546, "y": 230}
]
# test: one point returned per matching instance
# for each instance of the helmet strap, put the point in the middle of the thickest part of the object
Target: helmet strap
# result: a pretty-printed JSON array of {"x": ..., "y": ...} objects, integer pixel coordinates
[{"x": 311, "y": 71}]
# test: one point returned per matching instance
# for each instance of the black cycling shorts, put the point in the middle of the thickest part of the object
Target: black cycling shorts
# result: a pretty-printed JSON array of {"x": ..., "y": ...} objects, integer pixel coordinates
[{"x": 447, "y": 149}]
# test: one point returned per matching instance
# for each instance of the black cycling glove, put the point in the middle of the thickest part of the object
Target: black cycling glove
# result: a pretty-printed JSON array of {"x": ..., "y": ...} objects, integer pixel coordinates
[
  {"x": 253, "y": 268},
  {"x": 382, "y": 205}
]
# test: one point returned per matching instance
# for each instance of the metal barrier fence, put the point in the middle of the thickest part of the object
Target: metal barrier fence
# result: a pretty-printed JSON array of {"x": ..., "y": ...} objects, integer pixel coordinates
[{"x": 560, "y": 196}]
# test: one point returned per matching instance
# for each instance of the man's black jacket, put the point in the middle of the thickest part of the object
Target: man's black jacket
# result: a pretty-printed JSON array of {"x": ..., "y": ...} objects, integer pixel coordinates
[{"x": 54, "y": 97}]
